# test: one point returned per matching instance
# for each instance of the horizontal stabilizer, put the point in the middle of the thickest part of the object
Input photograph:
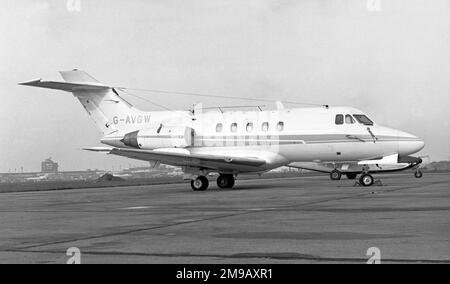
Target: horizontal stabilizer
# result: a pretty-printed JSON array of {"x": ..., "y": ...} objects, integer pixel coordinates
[{"x": 68, "y": 87}]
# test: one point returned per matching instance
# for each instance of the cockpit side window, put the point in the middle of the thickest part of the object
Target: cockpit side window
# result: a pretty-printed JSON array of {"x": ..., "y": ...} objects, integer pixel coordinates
[
  {"x": 361, "y": 118},
  {"x": 339, "y": 119},
  {"x": 349, "y": 119}
]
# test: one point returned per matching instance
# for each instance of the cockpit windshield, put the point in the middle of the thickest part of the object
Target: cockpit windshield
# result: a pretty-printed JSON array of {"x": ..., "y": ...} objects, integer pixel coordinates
[{"x": 361, "y": 118}]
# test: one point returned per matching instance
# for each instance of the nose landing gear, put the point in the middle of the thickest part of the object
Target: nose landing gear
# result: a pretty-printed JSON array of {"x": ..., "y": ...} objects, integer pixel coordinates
[{"x": 418, "y": 173}]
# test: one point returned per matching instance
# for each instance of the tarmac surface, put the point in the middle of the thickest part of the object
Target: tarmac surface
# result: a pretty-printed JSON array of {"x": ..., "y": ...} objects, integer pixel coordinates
[{"x": 292, "y": 220}]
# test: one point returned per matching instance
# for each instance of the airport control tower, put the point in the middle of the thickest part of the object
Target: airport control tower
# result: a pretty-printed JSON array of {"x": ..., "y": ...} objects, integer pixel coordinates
[{"x": 48, "y": 166}]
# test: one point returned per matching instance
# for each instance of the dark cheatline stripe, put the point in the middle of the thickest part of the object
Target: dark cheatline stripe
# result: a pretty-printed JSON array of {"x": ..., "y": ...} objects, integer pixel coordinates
[
  {"x": 280, "y": 139},
  {"x": 309, "y": 137}
]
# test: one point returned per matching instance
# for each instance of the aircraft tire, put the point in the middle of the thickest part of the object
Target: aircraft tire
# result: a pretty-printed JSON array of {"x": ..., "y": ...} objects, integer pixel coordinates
[
  {"x": 351, "y": 175},
  {"x": 225, "y": 181},
  {"x": 335, "y": 175},
  {"x": 418, "y": 174},
  {"x": 366, "y": 180},
  {"x": 200, "y": 184},
  {"x": 231, "y": 181}
]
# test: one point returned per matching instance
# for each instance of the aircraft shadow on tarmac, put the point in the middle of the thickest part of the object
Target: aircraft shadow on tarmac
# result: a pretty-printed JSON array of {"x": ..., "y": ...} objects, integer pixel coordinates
[{"x": 251, "y": 187}]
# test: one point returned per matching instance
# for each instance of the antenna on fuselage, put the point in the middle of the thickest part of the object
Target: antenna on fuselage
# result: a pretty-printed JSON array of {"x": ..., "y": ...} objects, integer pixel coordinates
[
  {"x": 139, "y": 97},
  {"x": 153, "y": 91}
]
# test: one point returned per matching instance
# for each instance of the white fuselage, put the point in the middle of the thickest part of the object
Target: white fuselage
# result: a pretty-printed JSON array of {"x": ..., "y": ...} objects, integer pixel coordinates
[{"x": 278, "y": 136}]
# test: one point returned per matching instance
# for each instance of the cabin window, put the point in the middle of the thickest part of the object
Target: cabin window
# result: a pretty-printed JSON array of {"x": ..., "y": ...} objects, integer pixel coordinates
[
  {"x": 234, "y": 127},
  {"x": 361, "y": 118},
  {"x": 339, "y": 119},
  {"x": 249, "y": 127},
  {"x": 265, "y": 127},
  {"x": 280, "y": 126},
  {"x": 219, "y": 127},
  {"x": 349, "y": 119}
]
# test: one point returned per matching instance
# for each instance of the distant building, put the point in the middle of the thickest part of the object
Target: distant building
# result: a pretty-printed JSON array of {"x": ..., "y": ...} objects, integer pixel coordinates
[{"x": 48, "y": 166}]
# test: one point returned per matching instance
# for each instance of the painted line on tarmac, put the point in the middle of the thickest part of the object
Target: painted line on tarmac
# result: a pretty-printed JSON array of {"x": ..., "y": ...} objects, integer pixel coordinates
[{"x": 136, "y": 208}]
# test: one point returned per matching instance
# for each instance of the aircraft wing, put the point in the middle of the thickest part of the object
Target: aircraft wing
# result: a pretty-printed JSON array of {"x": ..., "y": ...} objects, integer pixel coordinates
[{"x": 184, "y": 158}]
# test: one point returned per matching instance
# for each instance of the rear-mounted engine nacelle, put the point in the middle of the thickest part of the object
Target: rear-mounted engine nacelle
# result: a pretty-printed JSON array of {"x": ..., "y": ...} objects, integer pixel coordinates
[
  {"x": 160, "y": 137},
  {"x": 131, "y": 139}
]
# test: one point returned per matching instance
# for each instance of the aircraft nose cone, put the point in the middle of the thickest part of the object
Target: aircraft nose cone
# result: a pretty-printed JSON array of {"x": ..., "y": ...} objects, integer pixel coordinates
[{"x": 409, "y": 144}]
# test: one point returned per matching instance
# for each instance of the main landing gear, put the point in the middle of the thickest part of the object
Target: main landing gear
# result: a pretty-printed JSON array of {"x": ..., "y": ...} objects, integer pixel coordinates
[
  {"x": 201, "y": 183},
  {"x": 225, "y": 181}
]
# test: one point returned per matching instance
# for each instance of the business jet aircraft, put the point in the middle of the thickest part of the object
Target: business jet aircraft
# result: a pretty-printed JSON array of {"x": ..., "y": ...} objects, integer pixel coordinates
[{"x": 234, "y": 142}]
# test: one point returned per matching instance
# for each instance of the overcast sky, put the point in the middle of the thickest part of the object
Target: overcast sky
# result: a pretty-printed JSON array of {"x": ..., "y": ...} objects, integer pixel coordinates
[{"x": 391, "y": 59}]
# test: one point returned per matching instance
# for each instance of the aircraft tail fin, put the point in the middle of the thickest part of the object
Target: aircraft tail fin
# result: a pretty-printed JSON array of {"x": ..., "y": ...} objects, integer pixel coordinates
[{"x": 101, "y": 102}]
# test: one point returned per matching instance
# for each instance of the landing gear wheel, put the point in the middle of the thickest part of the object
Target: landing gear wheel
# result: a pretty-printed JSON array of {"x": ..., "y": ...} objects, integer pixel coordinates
[
  {"x": 200, "y": 184},
  {"x": 366, "y": 180},
  {"x": 418, "y": 174},
  {"x": 335, "y": 175},
  {"x": 225, "y": 181},
  {"x": 351, "y": 175}
]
